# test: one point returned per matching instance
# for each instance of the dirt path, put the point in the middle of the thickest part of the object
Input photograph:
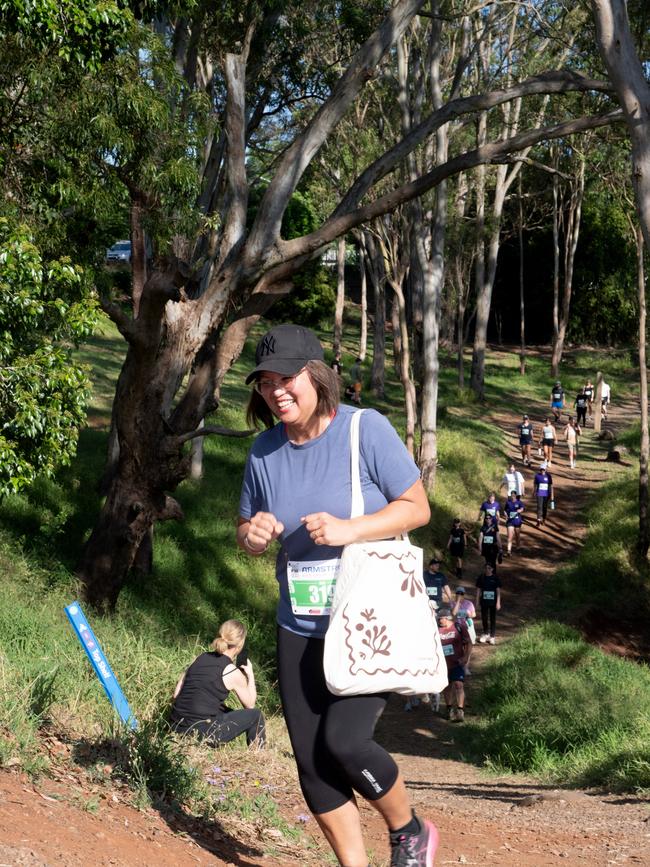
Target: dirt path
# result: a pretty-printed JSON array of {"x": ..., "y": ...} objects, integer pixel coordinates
[{"x": 483, "y": 819}]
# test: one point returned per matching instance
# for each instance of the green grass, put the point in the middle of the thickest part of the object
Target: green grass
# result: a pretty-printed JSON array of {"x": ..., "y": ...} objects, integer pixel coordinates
[
  {"x": 560, "y": 709},
  {"x": 200, "y": 577}
]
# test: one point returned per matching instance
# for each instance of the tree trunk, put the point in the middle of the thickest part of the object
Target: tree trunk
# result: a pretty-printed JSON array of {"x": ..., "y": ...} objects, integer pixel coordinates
[
  {"x": 138, "y": 250},
  {"x": 556, "y": 252},
  {"x": 363, "y": 338},
  {"x": 571, "y": 236},
  {"x": 643, "y": 544},
  {"x": 482, "y": 301},
  {"x": 627, "y": 75},
  {"x": 377, "y": 278},
  {"x": 340, "y": 294},
  {"x": 403, "y": 356},
  {"x": 522, "y": 308}
]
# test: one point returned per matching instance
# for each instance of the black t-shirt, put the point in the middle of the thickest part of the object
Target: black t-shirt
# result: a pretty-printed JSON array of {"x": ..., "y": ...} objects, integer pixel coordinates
[
  {"x": 557, "y": 394},
  {"x": 457, "y": 536},
  {"x": 203, "y": 693},
  {"x": 526, "y": 431},
  {"x": 489, "y": 584},
  {"x": 490, "y": 539},
  {"x": 581, "y": 400},
  {"x": 435, "y": 582}
]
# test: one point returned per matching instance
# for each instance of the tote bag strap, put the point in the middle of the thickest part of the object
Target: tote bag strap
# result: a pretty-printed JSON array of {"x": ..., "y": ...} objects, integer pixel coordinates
[
  {"x": 355, "y": 461},
  {"x": 355, "y": 474}
]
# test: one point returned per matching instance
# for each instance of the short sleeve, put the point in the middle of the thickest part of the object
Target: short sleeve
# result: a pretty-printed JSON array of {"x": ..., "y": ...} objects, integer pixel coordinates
[
  {"x": 249, "y": 501},
  {"x": 385, "y": 456}
]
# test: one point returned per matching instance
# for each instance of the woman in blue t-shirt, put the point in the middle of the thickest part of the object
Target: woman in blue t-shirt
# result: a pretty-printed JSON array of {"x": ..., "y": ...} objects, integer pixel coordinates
[{"x": 297, "y": 490}]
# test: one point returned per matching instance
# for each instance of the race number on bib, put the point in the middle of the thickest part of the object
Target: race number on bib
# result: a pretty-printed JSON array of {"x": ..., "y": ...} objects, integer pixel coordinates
[
  {"x": 448, "y": 649},
  {"x": 311, "y": 585},
  {"x": 488, "y": 540},
  {"x": 542, "y": 486},
  {"x": 488, "y": 595}
]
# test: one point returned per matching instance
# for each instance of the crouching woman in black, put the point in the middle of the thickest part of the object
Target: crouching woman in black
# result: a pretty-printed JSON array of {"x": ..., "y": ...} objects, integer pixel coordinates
[{"x": 200, "y": 694}]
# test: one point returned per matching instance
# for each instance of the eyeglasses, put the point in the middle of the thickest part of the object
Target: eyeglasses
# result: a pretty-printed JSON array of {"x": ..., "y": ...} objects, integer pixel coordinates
[{"x": 264, "y": 386}]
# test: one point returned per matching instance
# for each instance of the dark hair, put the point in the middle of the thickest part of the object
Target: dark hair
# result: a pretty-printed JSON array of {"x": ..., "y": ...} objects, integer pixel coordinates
[{"x": 324, "y": 380}]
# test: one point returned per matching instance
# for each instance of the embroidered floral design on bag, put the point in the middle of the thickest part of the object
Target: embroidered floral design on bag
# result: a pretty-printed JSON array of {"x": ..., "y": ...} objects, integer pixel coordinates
[
  {"x": 376, "y": 640},
  {"x": 411, "y": 582}
]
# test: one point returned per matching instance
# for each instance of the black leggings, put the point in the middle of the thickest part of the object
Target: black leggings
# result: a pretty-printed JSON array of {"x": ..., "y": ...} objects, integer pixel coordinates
[
  {"x": 582, "y": 415},
  {"x": 227, "y": 726},
  {"x": 489, "y": 612},
  {"x": 331, "y": 735}
]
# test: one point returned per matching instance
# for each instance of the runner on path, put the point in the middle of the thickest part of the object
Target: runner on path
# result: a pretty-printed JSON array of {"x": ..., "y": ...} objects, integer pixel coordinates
[
  {"x": 489, "y": 508},
  {"x": 489, "y": 601},
  {"x": 571, "y": 433},
  {"x": 456, "y": 643},
  {"x": 548, "y": 439},
  {"x": 456, "y": 545},
  {"x": 489, "y": 542},
  {"x": 513, "y": 509},
  {"x": 437, "y": 586},
  {"x": 589, "y": 391},
  {"x": 581, "y": 403},
  {"x": 605, "y": 396},
  {"x": 557, "y": 400},
  {"x": 543, "y": 489},
  {"x": 526, "y": 434},
  {"x": 464, "y": 610},
  {"x": 514, "y": 481}
]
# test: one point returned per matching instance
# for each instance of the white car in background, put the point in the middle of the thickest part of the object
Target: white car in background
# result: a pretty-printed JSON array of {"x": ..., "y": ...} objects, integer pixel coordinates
[{"x": 119, "y": 252}]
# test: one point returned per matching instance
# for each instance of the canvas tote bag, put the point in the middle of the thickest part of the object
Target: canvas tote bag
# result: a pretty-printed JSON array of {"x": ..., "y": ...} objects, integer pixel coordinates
[{"x": 382, "y": 634}]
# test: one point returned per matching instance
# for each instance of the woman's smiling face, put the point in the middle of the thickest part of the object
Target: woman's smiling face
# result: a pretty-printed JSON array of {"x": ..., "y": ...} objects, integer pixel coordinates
[{"x": 293, "y": 400}]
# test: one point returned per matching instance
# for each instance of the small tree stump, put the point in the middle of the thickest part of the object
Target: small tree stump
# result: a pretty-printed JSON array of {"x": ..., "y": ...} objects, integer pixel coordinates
[{"x": 616, "y": 453}]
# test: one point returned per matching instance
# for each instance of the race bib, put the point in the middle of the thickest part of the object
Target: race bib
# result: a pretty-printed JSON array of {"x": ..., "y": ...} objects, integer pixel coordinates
[
  {"x": 456, "y": 540},
  {"x": 488, "y": 595},
  {"x": 542, "y": 486},
  {"x": 488, "y": 540},
  {"x": 448, "y": 649},
  {"x": 557, "y": 395},
  {"x": 512, "y": 515},
  {"x": 433, "y": 592},
  {"x": 525, "y": 431},
  {"x": 311, "y": 585}
]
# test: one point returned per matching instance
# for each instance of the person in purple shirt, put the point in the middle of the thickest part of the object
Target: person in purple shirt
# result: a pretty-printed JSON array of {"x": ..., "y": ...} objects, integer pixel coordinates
[
  {"x": 513, "y": 509},
  {"x": 543, "y": 489},
  {"x": 489, "y": 508}
]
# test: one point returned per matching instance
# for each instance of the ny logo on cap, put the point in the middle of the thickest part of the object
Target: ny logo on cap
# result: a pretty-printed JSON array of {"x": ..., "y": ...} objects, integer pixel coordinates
[{"x": 268, "y": 346}]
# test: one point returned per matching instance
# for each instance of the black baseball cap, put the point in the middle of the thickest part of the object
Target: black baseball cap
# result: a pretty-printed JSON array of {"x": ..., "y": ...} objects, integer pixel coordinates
[{"x": 286, "y": 349}]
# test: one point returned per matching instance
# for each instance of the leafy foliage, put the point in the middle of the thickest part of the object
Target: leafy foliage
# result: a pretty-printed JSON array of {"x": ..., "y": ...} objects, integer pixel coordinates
[{"x": 45, "y": 309}]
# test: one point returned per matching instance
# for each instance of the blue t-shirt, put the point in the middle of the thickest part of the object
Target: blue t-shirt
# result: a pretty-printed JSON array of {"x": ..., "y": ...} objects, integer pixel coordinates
[
  {"x": 512, "y": 515},
  {"x": 435, "y": 582},
  {"x": 491, "y": 509},
  {"x": 295, "y": 480},
  {"x": 542, "y": 484}
]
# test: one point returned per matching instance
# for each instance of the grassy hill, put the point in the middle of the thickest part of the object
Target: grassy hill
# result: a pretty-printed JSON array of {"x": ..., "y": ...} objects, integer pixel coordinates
[{"x": 200, "y": 577}]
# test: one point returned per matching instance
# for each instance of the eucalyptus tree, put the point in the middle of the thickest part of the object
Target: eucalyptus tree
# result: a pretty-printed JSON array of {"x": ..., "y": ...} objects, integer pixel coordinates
[{"x": 247, "y": 83}]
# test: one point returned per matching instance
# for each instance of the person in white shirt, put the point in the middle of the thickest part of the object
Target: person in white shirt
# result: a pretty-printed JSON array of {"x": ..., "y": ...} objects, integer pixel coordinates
[
  {"x": 514, "y": 481},
  {"x": 605, "y": 394}
]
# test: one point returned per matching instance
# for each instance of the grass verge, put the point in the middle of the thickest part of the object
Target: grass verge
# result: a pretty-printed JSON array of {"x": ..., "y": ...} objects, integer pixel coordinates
[{"x": 561, "y": 709}]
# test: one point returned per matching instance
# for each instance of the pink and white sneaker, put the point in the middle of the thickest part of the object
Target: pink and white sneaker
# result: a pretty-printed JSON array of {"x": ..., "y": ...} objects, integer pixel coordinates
[{"x": 415, "y": 850}]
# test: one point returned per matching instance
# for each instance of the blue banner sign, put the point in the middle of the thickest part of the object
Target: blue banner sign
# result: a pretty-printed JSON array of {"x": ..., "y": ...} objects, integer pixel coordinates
[{"x": 99, "y": 662}]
